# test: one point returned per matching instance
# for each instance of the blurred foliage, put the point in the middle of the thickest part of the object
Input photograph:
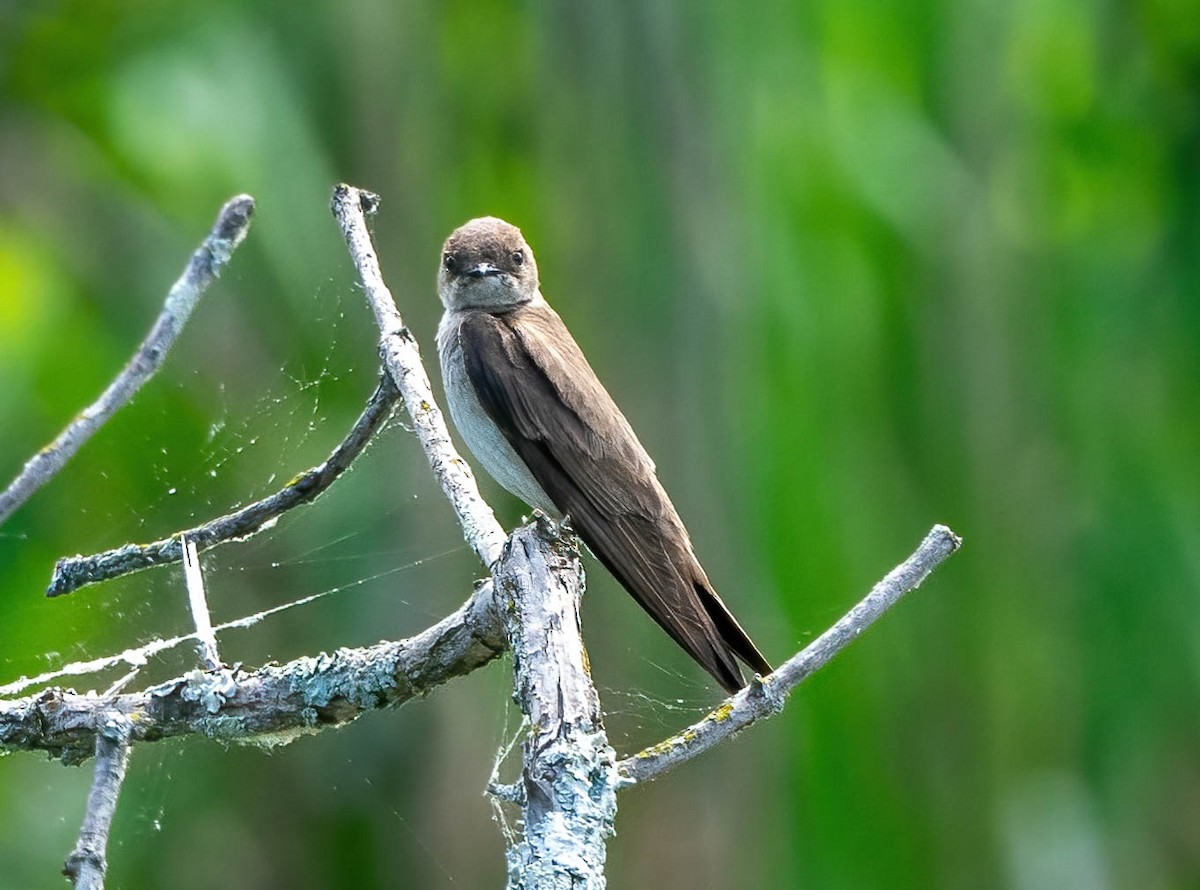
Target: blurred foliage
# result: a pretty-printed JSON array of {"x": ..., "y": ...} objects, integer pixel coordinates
[{"x": 850, "y": 267}]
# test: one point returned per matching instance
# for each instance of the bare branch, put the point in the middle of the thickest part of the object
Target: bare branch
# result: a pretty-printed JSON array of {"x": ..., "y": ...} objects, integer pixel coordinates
[
  {"x": 402, "y": 357},
  {"x": 88, "y": 862},
  {"x": 568, "y": 787},
  {"x": 766, "y": 696},
  {"x": 205, "y": 265},
  {"x": 73, "y": 572},
  {"x": 272, "y": 705}
]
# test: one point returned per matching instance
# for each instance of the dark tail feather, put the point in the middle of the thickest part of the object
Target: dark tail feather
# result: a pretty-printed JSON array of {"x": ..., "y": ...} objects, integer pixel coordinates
[
  {"x": 657, "y": 567},
  {"x": 722, "y": 667},
  {"x": 731, "y": 632}
]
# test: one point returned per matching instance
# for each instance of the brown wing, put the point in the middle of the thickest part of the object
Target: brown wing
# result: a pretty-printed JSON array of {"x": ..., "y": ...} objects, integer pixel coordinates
[{"x": 535, "y": 384}]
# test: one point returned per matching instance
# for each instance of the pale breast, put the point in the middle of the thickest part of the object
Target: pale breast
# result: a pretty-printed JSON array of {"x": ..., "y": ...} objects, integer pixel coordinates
[{"x": 482, "y": 436}]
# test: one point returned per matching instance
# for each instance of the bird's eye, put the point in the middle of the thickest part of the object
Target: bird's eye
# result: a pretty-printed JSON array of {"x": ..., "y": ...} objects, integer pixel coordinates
[
  {"x": 518, "y": 257},
  {"x": 450, "y": 262}
]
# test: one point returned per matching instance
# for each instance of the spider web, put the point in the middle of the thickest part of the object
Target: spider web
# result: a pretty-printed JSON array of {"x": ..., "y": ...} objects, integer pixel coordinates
[
  {"x": 378, "y": 555},
  {"x": 254, "y": 436}
]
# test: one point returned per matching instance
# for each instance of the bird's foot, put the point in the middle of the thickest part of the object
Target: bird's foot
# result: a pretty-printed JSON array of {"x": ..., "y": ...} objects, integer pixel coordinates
[
  {"x": 552, "y": 529},
  {"x": 547, "y": 525}
]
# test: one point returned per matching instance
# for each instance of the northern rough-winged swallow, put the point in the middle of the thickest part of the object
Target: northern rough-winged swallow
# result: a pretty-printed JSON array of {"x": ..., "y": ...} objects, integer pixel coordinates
[{"x": 533, "y": 412}]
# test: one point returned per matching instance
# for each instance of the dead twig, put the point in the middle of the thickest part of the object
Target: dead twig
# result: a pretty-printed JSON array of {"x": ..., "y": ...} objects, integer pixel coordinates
[
  {"x": 73, "y": 572},
  {"x": 765, "y": 696},
  {"x": 205, "y": 265}
]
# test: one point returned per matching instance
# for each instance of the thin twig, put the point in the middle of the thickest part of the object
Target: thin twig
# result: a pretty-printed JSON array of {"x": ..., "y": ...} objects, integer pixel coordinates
[
  {"x": 206, "y": 640},
  {"x": 766, "y": 696},
  {"x": 403, "y": 359},
  {"x": 272, "y": 705},
  {"x": 205, "y": 265},
  {"x": 73, "y": 572},
  {"x": 89, "y": 860}
]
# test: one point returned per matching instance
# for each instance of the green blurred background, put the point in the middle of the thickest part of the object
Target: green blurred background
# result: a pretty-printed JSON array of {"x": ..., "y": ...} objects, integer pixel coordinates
[{"x": 851, "y": 268}]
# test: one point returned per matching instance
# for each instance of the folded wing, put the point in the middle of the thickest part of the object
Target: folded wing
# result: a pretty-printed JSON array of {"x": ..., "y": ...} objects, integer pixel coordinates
[{"x": 534, "y": 382}]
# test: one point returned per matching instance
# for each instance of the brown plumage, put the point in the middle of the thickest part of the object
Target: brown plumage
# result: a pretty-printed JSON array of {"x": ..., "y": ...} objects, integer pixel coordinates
[{"x": 514, "y": 359}]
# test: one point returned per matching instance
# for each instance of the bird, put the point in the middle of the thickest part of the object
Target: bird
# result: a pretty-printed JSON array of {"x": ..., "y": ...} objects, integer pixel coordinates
[{"x": 535, "y": 415}]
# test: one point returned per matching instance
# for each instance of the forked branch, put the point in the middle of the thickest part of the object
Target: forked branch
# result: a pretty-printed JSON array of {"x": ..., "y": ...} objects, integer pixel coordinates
[{"x": 274, "y": 704}]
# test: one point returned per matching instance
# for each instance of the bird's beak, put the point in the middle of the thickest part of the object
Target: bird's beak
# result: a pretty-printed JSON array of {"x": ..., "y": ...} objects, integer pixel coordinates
[{"x": 484, "y": 270}]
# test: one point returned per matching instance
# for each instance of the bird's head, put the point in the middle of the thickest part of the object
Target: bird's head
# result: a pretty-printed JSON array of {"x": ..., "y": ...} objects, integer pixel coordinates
[{"x": 486, "y": 264}]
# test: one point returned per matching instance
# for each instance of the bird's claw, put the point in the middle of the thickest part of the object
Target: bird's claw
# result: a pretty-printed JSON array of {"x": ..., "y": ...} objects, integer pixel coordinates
[{"x": 548, "y": 527}]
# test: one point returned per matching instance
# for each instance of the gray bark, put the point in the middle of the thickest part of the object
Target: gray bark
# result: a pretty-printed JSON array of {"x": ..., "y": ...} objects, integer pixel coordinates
[
  {"x": 88, "y": 862},
  {"x": 569, "y": 780}
]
